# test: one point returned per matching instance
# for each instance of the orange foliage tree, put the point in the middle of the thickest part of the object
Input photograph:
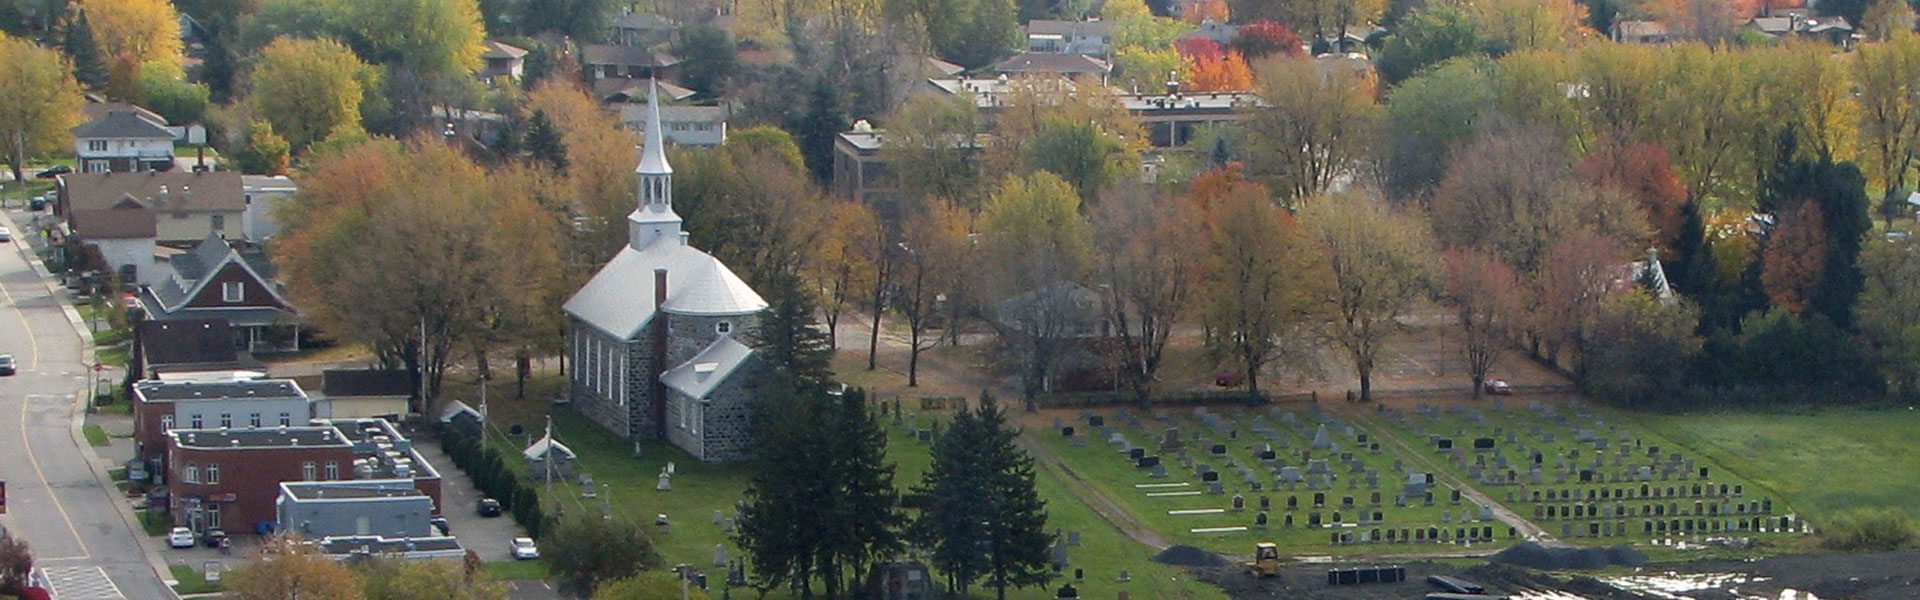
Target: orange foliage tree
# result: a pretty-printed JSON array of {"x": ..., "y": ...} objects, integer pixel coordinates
[
  {"x": 1201, "y": 11},
  {"x": 1228, "y": 73},
  {"x": 1643, "y": 172},
  {"x": 1794, "y": 257}
]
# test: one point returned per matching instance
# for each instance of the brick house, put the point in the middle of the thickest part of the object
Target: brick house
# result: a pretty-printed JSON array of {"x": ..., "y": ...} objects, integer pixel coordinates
[
  {"x": 163, "y": 406},
  {"x": 230, "y": 478},
  {"x": 176, "y": 349},
  {"x": 215, "y": 280},
  {"x": 652, "y": 335}
]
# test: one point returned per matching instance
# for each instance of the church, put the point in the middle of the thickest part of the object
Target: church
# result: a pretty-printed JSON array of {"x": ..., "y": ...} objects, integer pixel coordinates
[{"x": 657, "y": 337}]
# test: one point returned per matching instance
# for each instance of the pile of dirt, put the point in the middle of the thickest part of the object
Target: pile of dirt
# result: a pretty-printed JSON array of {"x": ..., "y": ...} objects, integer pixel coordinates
[
  {"x": 1189, "y": 556},
  {"x": 1560, "y": 558}
]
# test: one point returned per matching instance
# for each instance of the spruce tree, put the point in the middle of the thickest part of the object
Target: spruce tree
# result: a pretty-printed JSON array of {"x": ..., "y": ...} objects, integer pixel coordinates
[
  {"x": 948, "y": 495},
  {"x": 88, "y": 67},
  {"x": 788, "y": 336},
  {"x": 775, "y": 522},
  {"x": 1016, "y": 517},
  {"x": 980, "y": 514},
  {"x": 865, "y": 522},
  {"x": 544, "y": 143}
]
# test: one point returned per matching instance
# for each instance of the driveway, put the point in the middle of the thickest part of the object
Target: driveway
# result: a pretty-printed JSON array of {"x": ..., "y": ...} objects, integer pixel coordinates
[{"x": 487, "y": 536}]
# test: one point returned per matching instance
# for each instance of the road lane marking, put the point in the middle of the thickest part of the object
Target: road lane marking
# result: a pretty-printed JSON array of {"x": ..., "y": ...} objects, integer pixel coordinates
[
  {"x": 33, "y": 345},
  {"x": 33, "y": 458}
]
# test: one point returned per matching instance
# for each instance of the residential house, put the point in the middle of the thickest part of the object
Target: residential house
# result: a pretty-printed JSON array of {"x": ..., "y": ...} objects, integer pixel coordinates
[
  {"x": 119, "y": 240},
  {"x": 1079, "y": 37},
  {"x": 264, "y": 195},
  {"x": 641, "y": 29},
  {"x": 1069, "y": 322},
  {"x": 606, "y": 61},
  {"x": 214, "y": 280},
  {"x": 163, "y": 406},
  {"x": 122, "y": 141},
  {"x": 1213, "y": 31},
  {"x": 503, "y": 60},
  {"x": 187, "y": 348},
  {"x": 391, "y": 508},
  {"x": 623, "y": 346},
  {"x": 364, "y": 393},
  {"x": 1055, "y": 63},
  {"x": 230, "y": 478},
  {"x": 684, "y": 125},
  {"x": 1833, "y": 30},
  {"x": 186, "y": 206},
  {"x": 1640, "y": 32}
]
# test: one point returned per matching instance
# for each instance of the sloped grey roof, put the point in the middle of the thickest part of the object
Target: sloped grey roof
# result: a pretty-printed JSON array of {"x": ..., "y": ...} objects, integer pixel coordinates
[
  {"x": 121, "y": 124},
  {"x": 456, "y": 408},
  {"x": 499, "y": 49},
  {"x": 610, "y": 54},
  {"x": 1053, "y": 62},
  {"x": 539, "y": 448},
  {"x": 712, "y": 366},
  {"x": 619, "y": 299}
]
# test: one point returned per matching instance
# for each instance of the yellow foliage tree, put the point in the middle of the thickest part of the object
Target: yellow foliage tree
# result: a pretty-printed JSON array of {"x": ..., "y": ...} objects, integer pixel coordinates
[
  {"x": 136, "y": 35},
  {"x": 308, "y": 89},
  {"x": 1228, "y": 73},
  {"x": 39, "y": 102}
]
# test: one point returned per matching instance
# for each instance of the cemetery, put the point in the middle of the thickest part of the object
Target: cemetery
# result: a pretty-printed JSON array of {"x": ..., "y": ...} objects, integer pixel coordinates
[
  {"x": 1222, "y": 478},
  {"x": 1586, "y": 476}
]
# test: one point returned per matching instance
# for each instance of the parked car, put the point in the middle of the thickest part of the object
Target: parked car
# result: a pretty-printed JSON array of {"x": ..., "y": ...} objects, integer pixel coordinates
[
  {"x": 440, "y": 524},
  {"x": 1498, "y": 387},
  {"x": 56, "y": 170},
  {"x": 38, "y": 203},
  {"x": 6, "y": 235},
  {"x": 213, "y": 538},
  {"x": 523, "y": 549},
  {"x": 6, "y": 364},
  {"x": 489, "y": 507},
  {"x": 180, "y": 537}
]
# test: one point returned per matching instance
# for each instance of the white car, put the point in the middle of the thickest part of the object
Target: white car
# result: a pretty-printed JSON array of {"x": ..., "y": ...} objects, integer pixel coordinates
[
  {"x": 6, "y": 235},
  {"x": 180, "y": 537},
  {"x": 523, "y": 549}
]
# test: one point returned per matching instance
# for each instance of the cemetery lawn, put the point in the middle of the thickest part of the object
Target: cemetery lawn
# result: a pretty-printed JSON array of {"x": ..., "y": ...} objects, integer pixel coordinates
[{"x": 1822, "y": 463}]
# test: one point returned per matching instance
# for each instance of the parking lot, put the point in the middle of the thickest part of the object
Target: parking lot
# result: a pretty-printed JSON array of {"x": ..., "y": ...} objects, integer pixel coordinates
[{"x": 458, "y": 498}]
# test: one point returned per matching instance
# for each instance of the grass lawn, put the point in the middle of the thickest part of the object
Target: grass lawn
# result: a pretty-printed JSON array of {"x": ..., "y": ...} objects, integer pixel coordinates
[
  {"x": 191, "y": 581},
  {"x": 1822, "y": 463},
  {"x": 517, "y": 569},
  {"x": 153, "y": 524},
  {"x": 116, "y": 356},
  {"x": 96, "y": 436}
]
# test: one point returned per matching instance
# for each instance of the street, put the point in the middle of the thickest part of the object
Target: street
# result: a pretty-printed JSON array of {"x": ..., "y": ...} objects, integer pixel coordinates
[{"x": 82, "y": 544}]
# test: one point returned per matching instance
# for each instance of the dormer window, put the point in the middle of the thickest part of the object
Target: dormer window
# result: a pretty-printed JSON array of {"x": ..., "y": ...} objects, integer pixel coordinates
[{"x": 233, "y": 291}]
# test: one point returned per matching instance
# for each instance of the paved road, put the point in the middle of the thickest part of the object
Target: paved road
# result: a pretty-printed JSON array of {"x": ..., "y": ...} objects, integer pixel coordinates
[{"x": 54, "y": 500}]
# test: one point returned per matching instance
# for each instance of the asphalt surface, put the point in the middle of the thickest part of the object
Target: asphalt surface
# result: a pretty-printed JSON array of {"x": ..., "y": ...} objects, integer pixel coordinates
[{"x": 83, "y": 545}]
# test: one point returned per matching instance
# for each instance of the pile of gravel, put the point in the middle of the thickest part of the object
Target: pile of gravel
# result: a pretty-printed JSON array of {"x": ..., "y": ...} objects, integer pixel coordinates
[
  {"x": 1533, "y": 555},
  {"x": 1189, "y": 556}
]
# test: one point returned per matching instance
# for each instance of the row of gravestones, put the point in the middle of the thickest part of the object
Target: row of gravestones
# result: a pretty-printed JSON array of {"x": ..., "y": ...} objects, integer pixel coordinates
[
  {"x": 1644, "y": 492},
  {"x": 1416, "y": 535},
  {"x": 1672, "y": 509},
  {"x": 1686, "y": 526}
]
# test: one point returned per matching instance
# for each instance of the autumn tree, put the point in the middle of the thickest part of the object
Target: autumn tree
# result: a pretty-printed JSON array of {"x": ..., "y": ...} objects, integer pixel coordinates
[
  {"x": 1147, "y": 263},
  {"x": 1487, "y": 297},
  {"x": 1888, "y": 76},
  {"x": 1427, "y": 118},
  {"x": 1430, "y": 36},
  {"x": 1578, "y": 270},
  {"x": 1838, "y": 191},
  {"x": 1150, "y": 68},
  {"x": 1041, "y": 111},
  {"x": 833, "y": 268},
  {"x": 137, "y": 35},
  {"x": 1262, "y": 285},
  {"x": 1262, "y": 38},
  {"x": 1034, "y": 249},
  {"x": 308, "y": 89},
  {"x": 1511, "y": 25},
  {"x": 1640, "y": 351},
  {"x": 599, "y": 158},
  {"x": 1709, "y": 21},
  {"x": 39, "y": 103},
  {"x": 1795, "y": 254},
  {"x": 586, "y": 551},
  {"x": 1378, "y": 262},
  {"x": 266, "y": 153},
  {"x": 16, "y": 564},
  {"x": 1088, "y": 157},
  {"x": 1885, "y": 315},
  {"x": 930, "y": 148},
  {"x": 1885, "y": 19},
  {"x": 754, "y": 207},
  {"x": 934, "y": 246},
  {"x": 1316, "y": 126},
  {"x": 398, "y": 579},
  {"x": 1225, "y": 72},
  {"x": 289, "y": 569},
  {"x": 1642, "y": 172}
]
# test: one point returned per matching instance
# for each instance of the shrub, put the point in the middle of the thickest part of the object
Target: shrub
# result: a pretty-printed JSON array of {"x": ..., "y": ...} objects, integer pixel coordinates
[{"x": 1869, "y": 530}]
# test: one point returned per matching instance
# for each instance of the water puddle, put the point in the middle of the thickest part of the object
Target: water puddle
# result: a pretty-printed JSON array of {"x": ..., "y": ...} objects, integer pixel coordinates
[{"x": 1677, "y": 586}]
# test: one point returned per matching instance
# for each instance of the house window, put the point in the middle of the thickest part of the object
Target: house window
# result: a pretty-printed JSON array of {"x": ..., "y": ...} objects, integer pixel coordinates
[
  {"x": 306, "y": 471},
  {"x": 254, "y": 420},
  {"x": 233, "y": 291},
  {"x": 191, "y": 474},
  {"x": 196, "y": 422},
  {"x": 723, "y": 327},
  {"x": 333, "y": 470},
  {"x": 166, "y": 422},
  {"x": 286, "y": 419},
  {"x": 219, "y": 222},
  {"x": 213, "y": 517},
  {"x": 98, "y": 166},
  {"x": 226, "y": 420},
  {"x": 213, "y": 473},
  {"x": 96, "y": 145}
]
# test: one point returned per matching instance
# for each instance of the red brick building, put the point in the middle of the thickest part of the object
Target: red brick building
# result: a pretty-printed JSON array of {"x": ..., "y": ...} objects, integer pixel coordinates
[
  {"x": 161, "y": 406},
  {"x": 229, "y": 478}
]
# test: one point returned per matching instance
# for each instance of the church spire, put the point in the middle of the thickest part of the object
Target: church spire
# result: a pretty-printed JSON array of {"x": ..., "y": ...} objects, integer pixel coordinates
[{"x": 653, "y": 219}]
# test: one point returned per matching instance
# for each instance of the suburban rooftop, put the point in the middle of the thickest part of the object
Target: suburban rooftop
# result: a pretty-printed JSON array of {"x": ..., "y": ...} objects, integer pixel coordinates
[
  {"x": 260, "y": 437},
  {"x": 168, "y": 391}
]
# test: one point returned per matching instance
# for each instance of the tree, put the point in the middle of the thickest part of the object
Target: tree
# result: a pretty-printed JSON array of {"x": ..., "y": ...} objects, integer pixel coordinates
[
  {"x": 1795, "y": 254},
  {"x": 934, "y": 245},
  {"x": 1427, "y": 117},
  {"x": 1315, "y": 127},
  {"x": 266, "y": 153},
  {"x": 786, "y": 332},
  {"x": 1429, "y": 37},
  {"x": 1510, "y": 25},
  {"x": 1034, "y": 105},
  {"x": 1225, "y": 73},
  {"x": 1888, "y": 76},
  {"x": 1891, "y": 287},
  {"x": 308, "y": 89},
  {"x": 584, "y": 20},
  {"x": 1838, "y": 191},
  {"x": 1034, "y": 249},
  {"x": 1262, "y": 38},
  {"x": 1640, "y": 348},
  {"x": 89, "y": 68},
  {"x": 1150, "y": 68},
  {"x": 930, "y": 149},
  {"x": 289, "y": 569},
  {"x": 177, "y": 100},
  {"x": 981, "y": 515},
  {"x": 1513, "y": 191},
  {"x": 1152, "y": 271},
  {"x": 708, "y": 60},
  {"x": 650, "y": 585},
  {"x": 599, "y": 179},
  {"x": 433, "y": 38},
  {"x": 1643, "y": 172},
  {"x": 39, "y": 103},
  {"x": 1487, "y": 296},
  {"x": 1081, "y": 153},
  {"x": 589, "y": 550},
  {"x": 1262, "y": 286},
  {"x": 1885, "y": 19},
  {"x": 1576, "y": 273},
  {"x": 1379, "y": 262},
  {"x": 544, "y": 143},
  {"x": 140, "y": 34},
  {"x": 819, "y": 126},
  {"x": 16, "y": 564},
  {"x": 398, "y": 579}
]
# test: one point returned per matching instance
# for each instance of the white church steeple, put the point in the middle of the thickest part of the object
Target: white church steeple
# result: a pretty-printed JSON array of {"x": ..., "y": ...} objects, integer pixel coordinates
[{"x": 654, "y": 218}]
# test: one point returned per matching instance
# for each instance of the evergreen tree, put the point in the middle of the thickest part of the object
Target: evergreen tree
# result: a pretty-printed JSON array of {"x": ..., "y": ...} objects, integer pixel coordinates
[
  {"x": 819, "y": 125},
  {"x": 544, "y": 143},
  {"x": 775, "y": 525},
  {"x": 865, "y": 522},
  {"x": 88, "y": 67},
  {"x": 787, "y": 336},
  {"x": 981, "y": 515}
]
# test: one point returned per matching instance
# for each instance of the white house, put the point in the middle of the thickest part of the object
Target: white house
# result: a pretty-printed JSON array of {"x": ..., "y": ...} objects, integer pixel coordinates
[
  {"x": 122, "y": 141},
  {"x": 264, "y": 194},
  {"x": 1078, "y": 37},
  {"x": 681, "y": 125}
]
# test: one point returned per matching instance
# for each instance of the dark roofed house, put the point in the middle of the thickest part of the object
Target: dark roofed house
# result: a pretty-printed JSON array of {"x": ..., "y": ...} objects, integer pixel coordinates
[
  {"x": 122, "y": 141},
  {"x": 216, "y": 281},
  {"x": 641, "y": 29},
  {"x": 119, "y": 240},
  {"x": 188, "y": 346},
  {"x": 503, "y": 60},
  {"x": 1053, "y": 63},
  {"x": 364, "y": 393},
  {"x": 186, "y": 206},
  {"x": 95, "y": 110},
  {"x": 612, "y": 60}
]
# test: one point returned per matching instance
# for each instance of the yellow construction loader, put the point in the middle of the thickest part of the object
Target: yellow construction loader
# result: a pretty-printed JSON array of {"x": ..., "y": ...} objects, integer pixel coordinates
[{"x": 1266, "y": 560}]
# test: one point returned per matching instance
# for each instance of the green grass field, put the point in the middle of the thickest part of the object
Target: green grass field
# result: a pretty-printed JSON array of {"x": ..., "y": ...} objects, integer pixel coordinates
[
  {"x": 96, "y": 436},
  {"x": 516, "y": 569},
  {"x": 1821, "y": 463},
  {"x": 191, "y": 581}
]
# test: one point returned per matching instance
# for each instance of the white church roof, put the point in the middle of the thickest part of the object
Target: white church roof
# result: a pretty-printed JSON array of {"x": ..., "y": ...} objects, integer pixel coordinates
[
  {"x": 699, "y": 376},
  {"x": 619, "y": 299},
  {"x": 539, "y": 449}
]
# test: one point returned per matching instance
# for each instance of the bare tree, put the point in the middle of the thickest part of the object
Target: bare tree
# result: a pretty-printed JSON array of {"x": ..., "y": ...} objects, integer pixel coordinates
[
  {"x": 1487, "y": 296},
  {"x": 1150, "y": 270},
  {"x": 1379, "y": 261},
  {"x": 1035, "y": 250},
  {"x": 934, "y": 242},
  {"x": 1319, "y": 123},
  {"x": 1262, "y": 287}
]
